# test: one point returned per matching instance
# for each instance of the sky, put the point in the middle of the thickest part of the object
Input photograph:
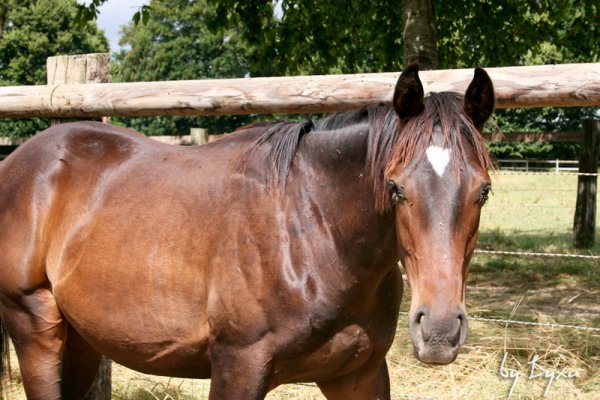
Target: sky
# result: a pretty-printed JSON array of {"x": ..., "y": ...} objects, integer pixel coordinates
[{"x": 113, "y": 14}]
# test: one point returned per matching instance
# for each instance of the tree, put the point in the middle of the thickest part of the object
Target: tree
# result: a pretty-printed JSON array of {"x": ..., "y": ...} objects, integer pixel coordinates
[
  {"x": 367, "y": 36},
  {"x": 420, "y": 45},
  {"x": 513, "y": 32},
  {"x": 175, "y": 44},
  {"x": 88, "y": 12},
  {"x": 30, "y": 32},
  {"x": 317, "y": 37}
]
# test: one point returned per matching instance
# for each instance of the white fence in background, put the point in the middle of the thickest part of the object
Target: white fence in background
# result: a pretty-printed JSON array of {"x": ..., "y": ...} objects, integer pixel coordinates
[{"x": 533, "y": 164}]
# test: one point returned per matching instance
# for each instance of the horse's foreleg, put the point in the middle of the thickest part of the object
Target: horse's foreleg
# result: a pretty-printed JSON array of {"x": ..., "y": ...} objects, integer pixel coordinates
[
  {"x": 38, "y": 333},
  {"x": 81, "y": 362},
  {"x": 365, "y": 384},
  {"x": 239, "y": 374}
]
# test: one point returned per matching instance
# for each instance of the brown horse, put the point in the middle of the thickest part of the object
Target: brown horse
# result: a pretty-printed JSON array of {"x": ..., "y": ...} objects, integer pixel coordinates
[{"x": 265, "y": 258}]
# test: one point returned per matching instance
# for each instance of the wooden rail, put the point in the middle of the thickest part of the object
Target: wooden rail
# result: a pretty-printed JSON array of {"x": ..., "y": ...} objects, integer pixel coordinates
[{"x": 532, "y": 86}]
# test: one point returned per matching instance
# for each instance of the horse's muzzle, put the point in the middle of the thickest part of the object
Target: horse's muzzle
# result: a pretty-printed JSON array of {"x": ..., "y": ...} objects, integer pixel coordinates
[{"x": 437, "y": 337}]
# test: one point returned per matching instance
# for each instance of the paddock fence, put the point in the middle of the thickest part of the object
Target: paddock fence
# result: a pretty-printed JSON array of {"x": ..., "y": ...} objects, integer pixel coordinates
[{"x": 529, "y": 86}]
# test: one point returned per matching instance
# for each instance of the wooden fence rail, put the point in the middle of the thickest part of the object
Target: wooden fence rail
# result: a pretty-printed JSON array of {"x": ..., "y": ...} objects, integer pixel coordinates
[{"x": 531, "y": 86}]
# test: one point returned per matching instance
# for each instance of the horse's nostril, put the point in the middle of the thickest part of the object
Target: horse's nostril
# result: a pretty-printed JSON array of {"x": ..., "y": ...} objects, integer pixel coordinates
[
  {"x": 462, "y": 328},
  {"x": 419, "y": 315}
]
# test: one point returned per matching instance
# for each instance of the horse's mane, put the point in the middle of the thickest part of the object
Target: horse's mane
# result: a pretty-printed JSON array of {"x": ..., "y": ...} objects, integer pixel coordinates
[{"x": 390, "y": 142}]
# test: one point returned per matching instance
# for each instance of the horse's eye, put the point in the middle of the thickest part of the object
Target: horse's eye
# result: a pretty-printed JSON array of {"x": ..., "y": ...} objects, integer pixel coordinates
[
  {"x": 396, "y": 192},
  {"x": 484, "y": 194}
]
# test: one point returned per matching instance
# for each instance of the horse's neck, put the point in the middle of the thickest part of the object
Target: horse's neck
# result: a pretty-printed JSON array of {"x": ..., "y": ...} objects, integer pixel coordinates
[{"x": 338, "y": 179}]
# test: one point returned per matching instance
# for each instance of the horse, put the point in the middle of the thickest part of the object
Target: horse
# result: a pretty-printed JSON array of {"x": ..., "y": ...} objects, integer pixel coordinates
[{"x": 265, "y": 258}]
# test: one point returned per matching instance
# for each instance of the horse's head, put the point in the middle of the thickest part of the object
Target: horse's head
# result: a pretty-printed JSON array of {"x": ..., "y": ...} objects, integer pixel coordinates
[{"x": 438, "y": 182}]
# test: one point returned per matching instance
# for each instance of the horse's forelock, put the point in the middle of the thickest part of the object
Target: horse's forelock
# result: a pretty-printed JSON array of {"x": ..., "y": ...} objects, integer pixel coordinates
[{"x": 394, "y": 144}]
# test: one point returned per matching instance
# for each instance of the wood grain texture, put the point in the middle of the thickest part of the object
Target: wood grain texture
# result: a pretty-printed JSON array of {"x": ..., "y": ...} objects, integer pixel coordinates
[{"x": 533, "y": 86}]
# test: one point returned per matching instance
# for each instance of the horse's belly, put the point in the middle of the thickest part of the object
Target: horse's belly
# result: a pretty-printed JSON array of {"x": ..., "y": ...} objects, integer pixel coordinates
[
  {"x": 176, "y": 358},
  {"x": 148, "y": 345},
  {"x": 154, "y": 329}
]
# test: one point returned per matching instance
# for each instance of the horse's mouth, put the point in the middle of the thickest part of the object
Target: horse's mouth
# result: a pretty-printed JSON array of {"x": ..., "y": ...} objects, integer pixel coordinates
[{"x": 436, "y": 355}]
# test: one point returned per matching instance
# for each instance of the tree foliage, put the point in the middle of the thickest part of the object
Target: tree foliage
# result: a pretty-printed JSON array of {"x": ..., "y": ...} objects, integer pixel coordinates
[
  {"x": 30, "y": 32},
  {"x": 89, "y": 12},
  {"x": 176, "y": 44},
  {"x": 514, "y": 32},
  {"x": 535, "y": 150},
  {"x": 315, "y": 37},
  {"x": 318, "y": 35},
  {"x": 226, "y": 38}
]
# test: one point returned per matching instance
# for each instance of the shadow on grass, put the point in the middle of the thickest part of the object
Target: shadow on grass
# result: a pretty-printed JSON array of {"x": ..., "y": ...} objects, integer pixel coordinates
[{"x": 532, "y": 241}]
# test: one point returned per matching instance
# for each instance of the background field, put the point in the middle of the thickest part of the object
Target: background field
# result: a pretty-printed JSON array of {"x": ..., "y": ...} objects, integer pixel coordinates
[{"x": 525, "y": 213}]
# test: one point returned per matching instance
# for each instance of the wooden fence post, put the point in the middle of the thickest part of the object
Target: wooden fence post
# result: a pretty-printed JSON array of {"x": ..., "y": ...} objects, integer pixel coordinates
[
  {"x": 80, "y": 68},
  {"x": 584, "y": 223},
  {"x": 199, "y": 135},
  {"x": 84, "y": 68}
]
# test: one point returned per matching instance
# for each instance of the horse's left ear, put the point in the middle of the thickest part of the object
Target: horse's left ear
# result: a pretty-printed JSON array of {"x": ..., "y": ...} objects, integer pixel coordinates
[{"x": 479, "y": 98}]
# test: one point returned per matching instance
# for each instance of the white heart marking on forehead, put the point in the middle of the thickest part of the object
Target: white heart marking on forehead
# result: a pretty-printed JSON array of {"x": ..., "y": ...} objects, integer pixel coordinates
[{"x": 438, "y": 158}]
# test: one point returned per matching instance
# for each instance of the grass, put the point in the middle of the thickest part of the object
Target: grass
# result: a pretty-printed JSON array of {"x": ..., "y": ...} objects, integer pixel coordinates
[
  {"x": 534, "y": 204},
  {"x": 525, "y": 213}
]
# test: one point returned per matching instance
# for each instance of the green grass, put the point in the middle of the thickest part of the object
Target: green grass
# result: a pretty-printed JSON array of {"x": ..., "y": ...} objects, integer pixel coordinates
[
  {"x": 534, "y": 214},
  {"x": 539, "y": 205}
]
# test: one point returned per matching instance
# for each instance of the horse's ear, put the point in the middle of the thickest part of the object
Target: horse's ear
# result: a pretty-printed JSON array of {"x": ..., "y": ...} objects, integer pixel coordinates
[
  {"x": 479, "y": 98},
  {"x": 408, "y": 95}
]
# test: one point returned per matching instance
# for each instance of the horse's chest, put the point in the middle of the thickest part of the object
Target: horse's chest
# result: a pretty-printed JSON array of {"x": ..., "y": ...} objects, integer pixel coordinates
[{"x": 337, "y": 355}]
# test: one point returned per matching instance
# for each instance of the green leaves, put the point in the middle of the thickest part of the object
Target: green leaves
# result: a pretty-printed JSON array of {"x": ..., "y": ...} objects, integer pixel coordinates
[
  {"x": 32, "y": 31},
  {"x": 175, "y": 44},
  {"x": 87, "y": 13},
  {"x": 90, "y": 12},
  {"x": 318, "y": 37},
  {"x": 143, "y": 15}
]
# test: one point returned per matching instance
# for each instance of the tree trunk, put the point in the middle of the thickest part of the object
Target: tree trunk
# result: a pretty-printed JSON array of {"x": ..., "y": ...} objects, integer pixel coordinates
[
  {"x": 584, "y": 223},
  {"x": 418, "y": 20}
]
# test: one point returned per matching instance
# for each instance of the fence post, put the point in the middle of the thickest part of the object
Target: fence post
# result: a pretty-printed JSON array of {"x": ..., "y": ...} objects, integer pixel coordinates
[
  {"x": 84, "y": 68},
  {"x": 199, "y": 135},
  {"x": 584, "y": 223}
]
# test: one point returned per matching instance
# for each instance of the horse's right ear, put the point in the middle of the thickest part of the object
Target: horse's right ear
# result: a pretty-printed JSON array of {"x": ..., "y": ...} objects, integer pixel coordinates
[
  {"x": 479, "y": 98},
  {"x": 408, "y": 96}
]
